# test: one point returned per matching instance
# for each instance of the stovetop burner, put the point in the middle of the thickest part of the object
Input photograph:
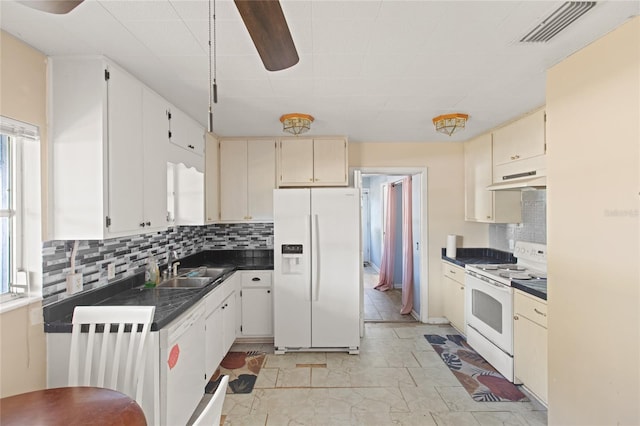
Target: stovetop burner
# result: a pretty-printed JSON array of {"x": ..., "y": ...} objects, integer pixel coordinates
[{"x": 511, "y": 267}]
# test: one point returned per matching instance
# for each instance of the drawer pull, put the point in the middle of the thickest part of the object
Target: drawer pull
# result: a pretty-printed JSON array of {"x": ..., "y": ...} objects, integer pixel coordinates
[
  {"x": 539, "y": 313},
  {"x": 255, "y": 279},
  {"x": 452, "y": 272}
]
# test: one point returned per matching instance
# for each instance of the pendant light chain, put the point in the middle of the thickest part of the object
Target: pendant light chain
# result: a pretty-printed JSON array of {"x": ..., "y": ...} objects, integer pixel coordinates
[
  {"x": 215, "y": 55},
  {"x": 210, "y": 116}
]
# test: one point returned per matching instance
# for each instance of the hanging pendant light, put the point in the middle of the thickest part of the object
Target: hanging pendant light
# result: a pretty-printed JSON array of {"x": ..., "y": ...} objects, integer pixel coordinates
[
  {"x": 213, "y": 87},
  {"x": 296, "y": 123}
]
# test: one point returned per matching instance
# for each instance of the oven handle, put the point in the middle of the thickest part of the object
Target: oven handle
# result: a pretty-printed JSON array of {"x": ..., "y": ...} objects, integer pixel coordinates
[{"x": 498, "y": 285}]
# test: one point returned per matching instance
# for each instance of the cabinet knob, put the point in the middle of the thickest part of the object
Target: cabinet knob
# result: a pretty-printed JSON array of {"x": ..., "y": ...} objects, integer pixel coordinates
[
  {"x": 191, "y": 146},
  {"x": 148, "y": 223},
  {"x": 268, "y": 291},
  {"x": 488, "y": 217},
  {"x": 515, "y": 317},
  {"x": 142, "y": 225}
]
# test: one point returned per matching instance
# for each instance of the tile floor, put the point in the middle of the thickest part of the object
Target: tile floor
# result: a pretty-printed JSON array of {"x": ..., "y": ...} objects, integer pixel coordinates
[
  {"x": 397, "y": 379},
  {"x": 381, "y": 305}
]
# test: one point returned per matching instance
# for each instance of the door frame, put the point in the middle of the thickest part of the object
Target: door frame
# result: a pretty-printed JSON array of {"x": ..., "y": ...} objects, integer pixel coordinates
[{"x": 355, "y": 176}]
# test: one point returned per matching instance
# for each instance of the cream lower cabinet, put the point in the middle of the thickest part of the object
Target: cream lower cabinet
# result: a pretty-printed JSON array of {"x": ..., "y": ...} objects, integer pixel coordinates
[
  {"x": 220, "y": 322},
  {"x": 482, "y": 205},
  {"x": 257, "y": 304},
  {"x": 453, "y": 295},
  {"x": 530, "y": 343},
  {"x": 313, "y": 162},
  {"x": 247, "y": 180}
]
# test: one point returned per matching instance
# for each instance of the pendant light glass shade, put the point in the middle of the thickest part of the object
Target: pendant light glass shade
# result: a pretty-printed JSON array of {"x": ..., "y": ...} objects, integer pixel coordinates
[
  {"x": 296, "y": 123},
  {"x": 450, "y": 123}
]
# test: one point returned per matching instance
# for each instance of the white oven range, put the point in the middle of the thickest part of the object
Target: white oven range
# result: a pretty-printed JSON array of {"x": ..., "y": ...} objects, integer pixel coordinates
[{"x": 489, "y": 303}]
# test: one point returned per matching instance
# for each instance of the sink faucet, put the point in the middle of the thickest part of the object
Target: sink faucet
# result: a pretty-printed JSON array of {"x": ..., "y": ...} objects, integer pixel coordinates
[{"x": 172, "y": 265}]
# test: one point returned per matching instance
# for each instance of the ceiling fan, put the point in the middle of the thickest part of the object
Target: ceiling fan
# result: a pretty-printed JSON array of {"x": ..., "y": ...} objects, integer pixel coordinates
[{"x": 264, "y": 20}]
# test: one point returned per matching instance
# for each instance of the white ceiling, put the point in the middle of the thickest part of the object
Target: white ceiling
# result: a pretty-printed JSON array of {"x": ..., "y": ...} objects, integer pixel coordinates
[{"x": 374, "y": 70}]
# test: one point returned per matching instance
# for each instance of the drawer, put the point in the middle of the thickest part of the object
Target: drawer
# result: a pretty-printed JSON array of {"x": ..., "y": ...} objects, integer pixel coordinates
[
  {"x": 530, "y": 307},
  {"x": 454, "y": 272},
  {"x": 256, "y": 279}
]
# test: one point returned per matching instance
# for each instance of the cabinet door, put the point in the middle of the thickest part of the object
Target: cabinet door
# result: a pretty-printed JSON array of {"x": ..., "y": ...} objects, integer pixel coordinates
[
  {"x": 261, "y": 179},
  {"x": 524, "y": 138},
  {"x": 213, "y": 342},
  {"x": 233, "y": 180},
  {"x": 257, "y": 312},
  {"x": 125, "y": 153},
  {"x": 211, "y": 180},
  {"x": 478, "y": 174},
  {"x": 530, "y": 355},
  {"x": 155, "y": 127},
  {"x": 186, "y": 132},
  {"x": 296, "y": 162},
  {"x": 228, "y": 322},
  {"x": 330, "y": 162}
]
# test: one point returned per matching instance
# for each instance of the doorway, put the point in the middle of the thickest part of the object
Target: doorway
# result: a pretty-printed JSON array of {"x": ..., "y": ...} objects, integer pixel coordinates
[{"x": 379, "y": 306}]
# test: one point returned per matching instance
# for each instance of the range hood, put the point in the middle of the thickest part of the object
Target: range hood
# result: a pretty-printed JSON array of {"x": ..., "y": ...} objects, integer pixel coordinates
[{"x": 522, "y": 181}]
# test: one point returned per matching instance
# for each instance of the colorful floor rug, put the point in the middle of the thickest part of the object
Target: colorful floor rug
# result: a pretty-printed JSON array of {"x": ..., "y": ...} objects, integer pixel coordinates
[
  {"x": 242, "y": 369},
  {"x": 478, "y": 377}
]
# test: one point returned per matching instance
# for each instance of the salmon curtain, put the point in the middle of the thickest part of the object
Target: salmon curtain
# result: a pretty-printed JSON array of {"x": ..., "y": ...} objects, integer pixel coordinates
[
  {"x": 407, "y": 247},
  {"x": 388, "y": 252}
]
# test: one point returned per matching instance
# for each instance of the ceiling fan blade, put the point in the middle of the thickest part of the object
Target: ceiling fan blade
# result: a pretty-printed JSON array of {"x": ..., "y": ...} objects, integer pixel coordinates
[
  {"x": 269, "y": 31},
  {"x": 59, "y": 7}
]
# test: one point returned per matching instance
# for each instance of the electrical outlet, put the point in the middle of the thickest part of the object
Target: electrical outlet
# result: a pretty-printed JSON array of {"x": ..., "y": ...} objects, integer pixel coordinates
[
  {"x": 111, "y": 271},
  {"x": 74, "y": 283}
]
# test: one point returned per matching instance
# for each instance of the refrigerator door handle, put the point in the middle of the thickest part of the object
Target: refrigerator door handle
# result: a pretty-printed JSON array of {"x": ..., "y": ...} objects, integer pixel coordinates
[
  {"x": 312, "y": 266},
  {"x": 315, "y": 277}
]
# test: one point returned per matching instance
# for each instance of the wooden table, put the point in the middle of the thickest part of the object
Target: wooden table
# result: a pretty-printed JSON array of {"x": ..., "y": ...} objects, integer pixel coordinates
[{"x": 71, "y": 406}]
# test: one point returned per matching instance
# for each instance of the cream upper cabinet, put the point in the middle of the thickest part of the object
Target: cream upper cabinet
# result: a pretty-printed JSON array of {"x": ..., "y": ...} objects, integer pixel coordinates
[
  {"x": 185, "y": 132},
  {"x": 247, "y": 179},
  {"x": 453, "y": 294},
  {"x": 313, "y": 162},
  {"x": 530, "y": 343},
  {"x": 482, "y": 205},
  {"x": 104, "y": 167},
  {"x": 211, "y": 185},
  {"x": 519, "y": 147}
]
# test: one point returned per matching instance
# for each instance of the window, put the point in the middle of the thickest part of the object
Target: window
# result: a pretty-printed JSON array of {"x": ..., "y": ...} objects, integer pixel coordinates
[{"x": 13, "y": 136}]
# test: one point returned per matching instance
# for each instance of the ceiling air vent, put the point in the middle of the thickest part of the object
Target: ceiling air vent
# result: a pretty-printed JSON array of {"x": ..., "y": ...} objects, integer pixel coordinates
[{"x": 560, "y": 19}]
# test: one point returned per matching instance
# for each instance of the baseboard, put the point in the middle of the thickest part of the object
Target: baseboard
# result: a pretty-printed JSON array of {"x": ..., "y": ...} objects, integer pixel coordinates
[
  {"x": 374, "y": 267},
  {"x": 437, "y": 320},
  {"x": 264, "y": 340}
]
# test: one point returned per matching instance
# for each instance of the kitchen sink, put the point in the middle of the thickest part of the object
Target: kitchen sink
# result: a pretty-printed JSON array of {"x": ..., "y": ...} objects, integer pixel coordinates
[
  {"x": 185, "y": 282},
  {"x": 214, "y": 273}
]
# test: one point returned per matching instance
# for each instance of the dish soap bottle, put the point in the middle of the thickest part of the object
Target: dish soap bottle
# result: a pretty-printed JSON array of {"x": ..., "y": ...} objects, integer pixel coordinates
[{"x": 151, "y": 272}]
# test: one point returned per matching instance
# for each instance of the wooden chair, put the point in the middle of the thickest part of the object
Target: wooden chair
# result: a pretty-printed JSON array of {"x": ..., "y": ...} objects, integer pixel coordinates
[
  {"x": 138, "y": 320},
  {"x": 211, "y": 414}
]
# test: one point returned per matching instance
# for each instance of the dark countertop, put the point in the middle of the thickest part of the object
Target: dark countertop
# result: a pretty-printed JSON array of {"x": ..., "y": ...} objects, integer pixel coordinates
[
  {"x": 169, "y": 302},
  {"x": 536, "y": 288},
  {"x": 478, "y": 256},
  {"x": 481, "y": 256}
]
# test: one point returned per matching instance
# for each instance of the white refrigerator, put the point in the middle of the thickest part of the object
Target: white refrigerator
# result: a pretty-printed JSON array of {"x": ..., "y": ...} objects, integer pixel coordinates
[{"x": 316, "y": 269}]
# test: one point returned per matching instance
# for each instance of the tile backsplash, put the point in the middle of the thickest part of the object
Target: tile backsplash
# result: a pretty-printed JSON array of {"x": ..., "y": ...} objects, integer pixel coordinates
[
  {"x": 129, "y": 254},
  {"x": 533, "y": 228}
]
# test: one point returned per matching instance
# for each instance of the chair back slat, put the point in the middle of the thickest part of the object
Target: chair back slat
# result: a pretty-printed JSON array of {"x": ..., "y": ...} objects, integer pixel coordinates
[
  {"x": 109, "y": 354},
  {"x": 213, "y": 410}
]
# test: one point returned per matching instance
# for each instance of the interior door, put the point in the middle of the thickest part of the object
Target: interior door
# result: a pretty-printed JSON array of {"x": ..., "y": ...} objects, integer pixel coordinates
[{"x": 416, "y": 199}]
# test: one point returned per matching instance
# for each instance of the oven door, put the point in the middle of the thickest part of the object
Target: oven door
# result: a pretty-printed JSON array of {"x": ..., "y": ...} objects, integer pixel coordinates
[{"x": 489, "y": 310}]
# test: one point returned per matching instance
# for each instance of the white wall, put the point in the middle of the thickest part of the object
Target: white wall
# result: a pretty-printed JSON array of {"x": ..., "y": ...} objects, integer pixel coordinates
[
  {"x": 593, "y": 137},
  {"x": 23, "y": 92}
]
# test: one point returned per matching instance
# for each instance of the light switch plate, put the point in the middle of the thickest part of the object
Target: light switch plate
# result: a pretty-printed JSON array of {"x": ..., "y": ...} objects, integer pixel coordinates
[
  {"x": 111, "y": 271},
  {"x": 74, "y": 283}
]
